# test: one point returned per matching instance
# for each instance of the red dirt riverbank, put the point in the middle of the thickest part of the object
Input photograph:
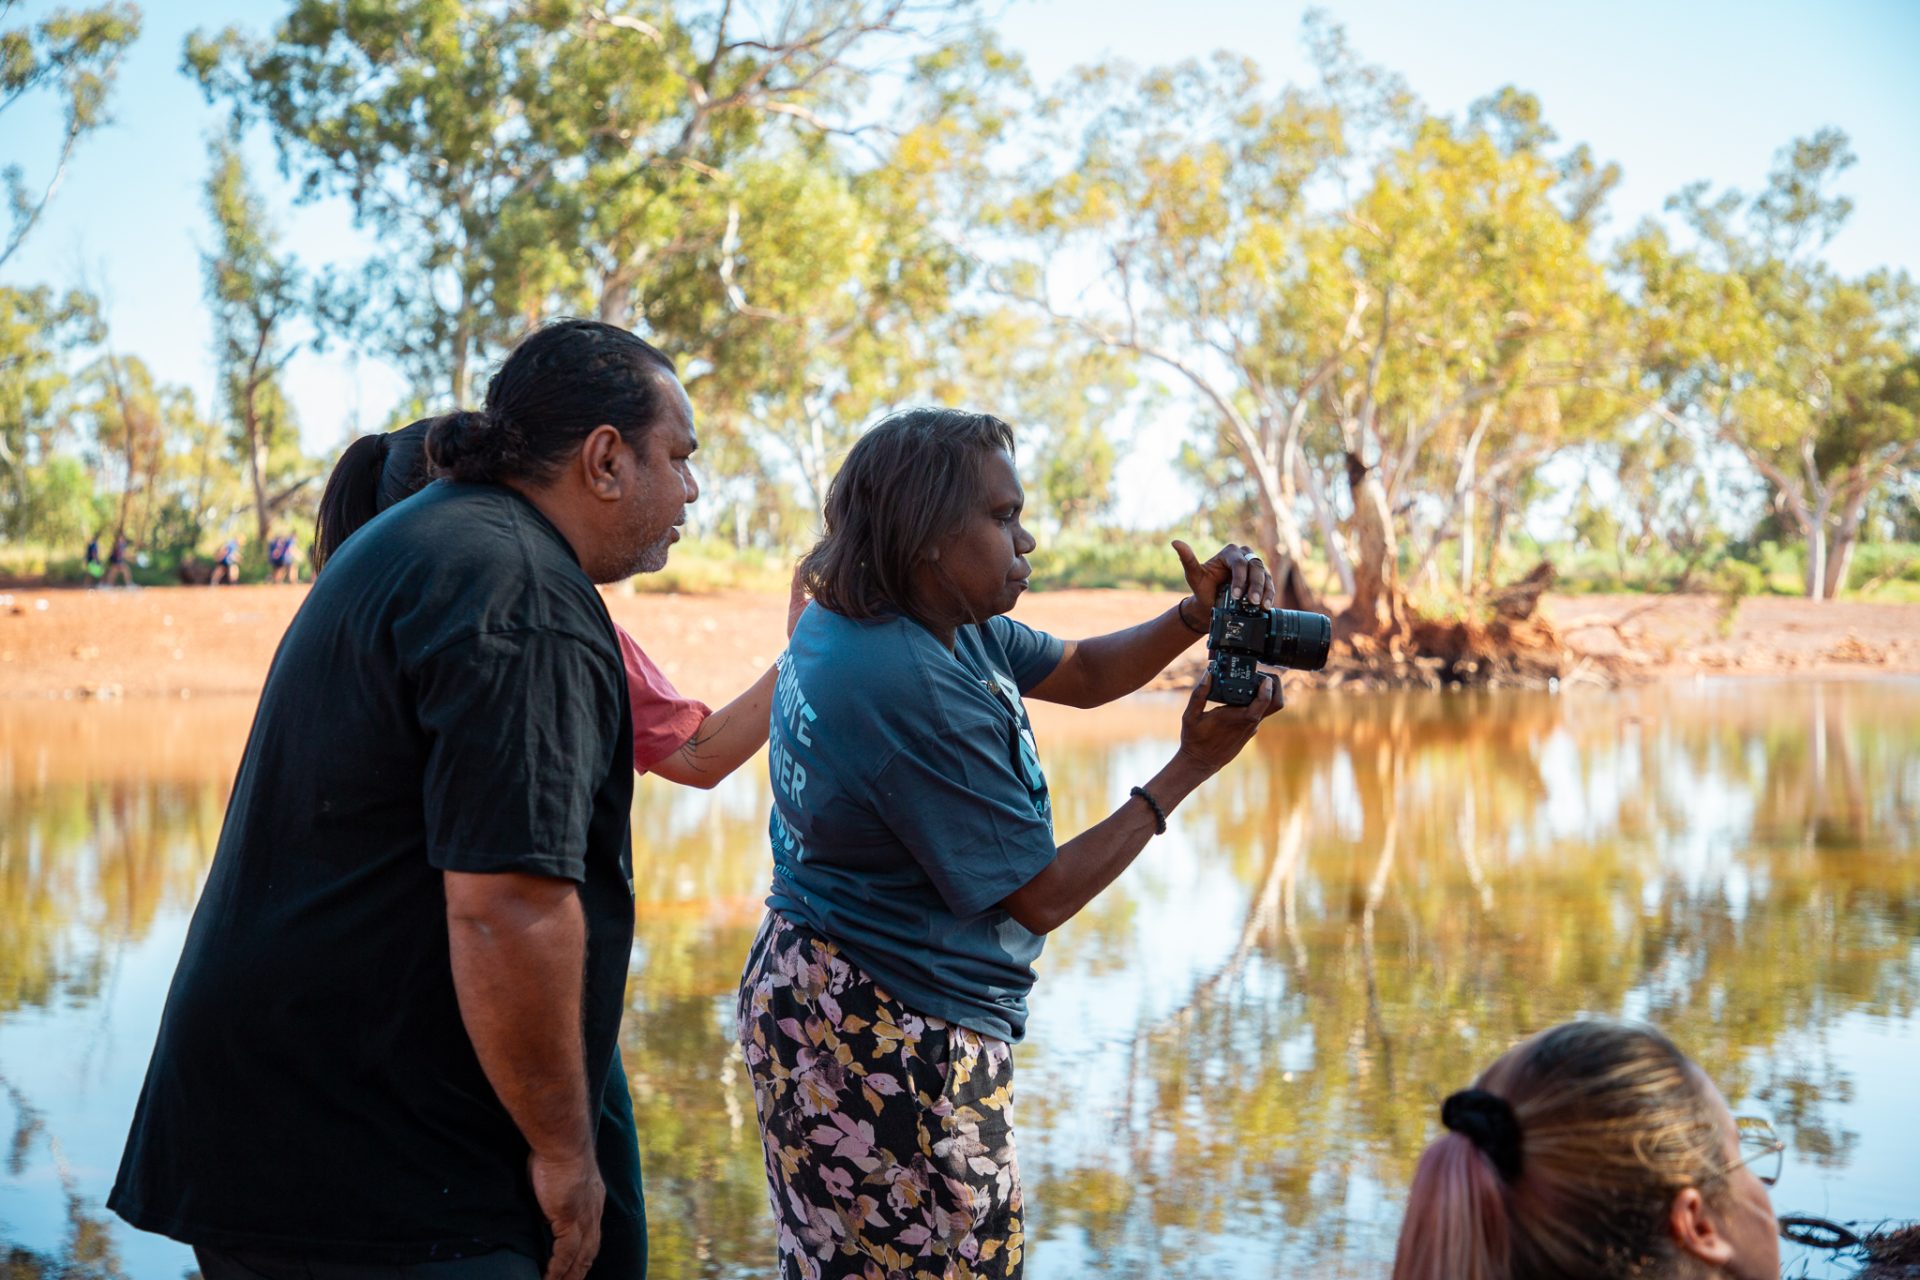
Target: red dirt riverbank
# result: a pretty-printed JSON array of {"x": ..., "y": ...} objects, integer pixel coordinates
[{"x": 199, "y": 641}]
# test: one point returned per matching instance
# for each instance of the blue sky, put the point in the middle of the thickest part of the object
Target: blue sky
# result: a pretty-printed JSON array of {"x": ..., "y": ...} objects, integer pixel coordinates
[{"x": 1673, "y": 91}]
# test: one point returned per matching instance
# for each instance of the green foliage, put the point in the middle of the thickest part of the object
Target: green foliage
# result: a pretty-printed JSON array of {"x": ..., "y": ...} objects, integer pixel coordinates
[
  {"x": 703, "y": 566},
  {"x": 255, "y": 294},
  {"x": 1748, "y": 337},
  {"x": 75, "y": 55},
  {"x": 1323, "y": 274},
  {"x": 37, "y": 330},
  {"x": 1135, "y": 561}
]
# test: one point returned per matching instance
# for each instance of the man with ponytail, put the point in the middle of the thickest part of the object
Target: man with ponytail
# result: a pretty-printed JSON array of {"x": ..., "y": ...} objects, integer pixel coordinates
[
  {"x": 390, "y": 1044},
  {"x": 1594, "y": 1150}
]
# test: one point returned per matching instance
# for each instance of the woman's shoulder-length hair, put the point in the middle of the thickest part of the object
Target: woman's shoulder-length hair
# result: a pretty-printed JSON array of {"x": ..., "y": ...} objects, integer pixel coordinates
[{"x": 911, "y": 480}]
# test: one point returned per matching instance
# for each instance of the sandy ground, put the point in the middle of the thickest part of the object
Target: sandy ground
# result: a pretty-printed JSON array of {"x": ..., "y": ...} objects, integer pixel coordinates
[{"x": 200, "y": 641}]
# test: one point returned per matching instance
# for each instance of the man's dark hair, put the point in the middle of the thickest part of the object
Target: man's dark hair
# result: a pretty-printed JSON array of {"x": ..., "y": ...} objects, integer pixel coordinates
[
  {"x": 375, "y": 472},
  {"x": 562, "y": 381},
  {"x": 910, "y": 481}
]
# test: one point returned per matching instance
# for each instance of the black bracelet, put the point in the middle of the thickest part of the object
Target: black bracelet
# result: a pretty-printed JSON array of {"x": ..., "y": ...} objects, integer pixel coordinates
[
  {"x": 1159, "y": 814},
  {"x": 1181, "y": 609}
]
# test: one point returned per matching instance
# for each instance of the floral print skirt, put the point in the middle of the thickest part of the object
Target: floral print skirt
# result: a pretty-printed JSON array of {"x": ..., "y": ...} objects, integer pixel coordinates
[{"x": 888, "y": 1134}]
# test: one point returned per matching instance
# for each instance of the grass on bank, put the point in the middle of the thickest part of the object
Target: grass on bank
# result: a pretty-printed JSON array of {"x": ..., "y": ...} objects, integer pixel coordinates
[{"x": 1885, "y": 572}]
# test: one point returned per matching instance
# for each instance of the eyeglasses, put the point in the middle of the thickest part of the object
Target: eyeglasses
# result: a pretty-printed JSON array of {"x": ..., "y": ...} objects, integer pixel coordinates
[{"x": 1761, "y": 1149}]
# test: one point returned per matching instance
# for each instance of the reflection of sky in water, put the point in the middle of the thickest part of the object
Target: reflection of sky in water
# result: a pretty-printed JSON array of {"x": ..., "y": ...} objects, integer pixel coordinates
[
  {"x": 82, "y": 1066},
  {"x": 1209, "y": 1090}
]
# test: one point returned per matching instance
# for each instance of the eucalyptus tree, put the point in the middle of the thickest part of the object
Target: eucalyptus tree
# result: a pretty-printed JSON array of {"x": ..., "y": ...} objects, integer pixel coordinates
[
  {"x": 1486, "y": 332},
  {"x": 38, "y": 327},
  {"x": 1381, "y": 312},
  {"x": 1184, "y": 190},
  {"x": 256, "y": 295},
  {"x": 1751, "y": 339},
  {"x": 612, "y": 159},
  {"x": 73, "y": 54}
]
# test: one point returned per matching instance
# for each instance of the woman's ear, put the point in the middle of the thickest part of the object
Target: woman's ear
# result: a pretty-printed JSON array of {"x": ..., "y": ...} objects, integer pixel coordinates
[{"x": 1691, "y": 1221}]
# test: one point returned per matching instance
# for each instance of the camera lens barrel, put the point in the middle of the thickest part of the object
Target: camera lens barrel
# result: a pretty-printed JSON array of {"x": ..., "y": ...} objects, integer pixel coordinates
[{"x": 1298, "y": 639}]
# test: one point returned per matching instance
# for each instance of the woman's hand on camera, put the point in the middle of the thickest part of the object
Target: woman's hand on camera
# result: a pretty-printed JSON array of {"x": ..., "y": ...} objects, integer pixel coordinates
[
  {"x": 1235, "y": 568},
  {"x": 1212, "y": 736}
]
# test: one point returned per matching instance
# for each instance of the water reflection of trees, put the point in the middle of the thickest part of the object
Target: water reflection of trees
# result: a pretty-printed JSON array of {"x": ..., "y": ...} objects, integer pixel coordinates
[
  {"x": 87, "y": 1250},
  {"x": 1413, "y": 882},
  {"x": 1438, "y": 877},
  {"x": 84, "y": 871}
]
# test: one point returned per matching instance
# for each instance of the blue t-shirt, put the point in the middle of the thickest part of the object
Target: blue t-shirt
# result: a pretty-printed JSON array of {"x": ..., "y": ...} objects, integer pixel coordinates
[{"x": 908, "y": 802}]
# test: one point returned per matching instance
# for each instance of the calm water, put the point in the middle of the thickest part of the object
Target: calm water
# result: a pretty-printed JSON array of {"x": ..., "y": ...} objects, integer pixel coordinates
[{"x": 1237, "y": 1054}]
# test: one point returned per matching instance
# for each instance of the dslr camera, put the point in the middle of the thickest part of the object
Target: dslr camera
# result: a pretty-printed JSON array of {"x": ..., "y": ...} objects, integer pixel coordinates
[{"x": 1244, "y": 636}]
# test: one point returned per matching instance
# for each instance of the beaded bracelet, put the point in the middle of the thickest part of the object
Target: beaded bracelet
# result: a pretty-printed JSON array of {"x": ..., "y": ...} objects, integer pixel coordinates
[{"x": 1159, "y": 814}]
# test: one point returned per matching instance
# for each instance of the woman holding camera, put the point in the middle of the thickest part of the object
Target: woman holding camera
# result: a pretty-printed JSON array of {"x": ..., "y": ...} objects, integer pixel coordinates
[{"x": 916, "y": 871}]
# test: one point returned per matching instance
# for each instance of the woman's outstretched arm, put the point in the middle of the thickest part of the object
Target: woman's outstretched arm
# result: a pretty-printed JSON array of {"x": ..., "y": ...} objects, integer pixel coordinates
[
  {"x": 728, "y": 738},
  {"x": 1098, "y": 670},
  {"x": 1094, "y": 859},
  {"x": 725, "y": 740}
]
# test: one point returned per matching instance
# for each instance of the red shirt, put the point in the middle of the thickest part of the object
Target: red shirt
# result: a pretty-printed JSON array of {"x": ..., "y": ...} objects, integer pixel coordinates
[{"x": 663, "y": 719}]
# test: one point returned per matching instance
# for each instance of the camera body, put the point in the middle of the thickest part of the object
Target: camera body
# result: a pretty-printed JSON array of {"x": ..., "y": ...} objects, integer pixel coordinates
[{"x": 1244, "y": 636}]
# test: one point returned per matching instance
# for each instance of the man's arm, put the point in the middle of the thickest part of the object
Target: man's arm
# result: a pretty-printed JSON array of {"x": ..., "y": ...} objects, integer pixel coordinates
[{"x": 518, "y": 945}]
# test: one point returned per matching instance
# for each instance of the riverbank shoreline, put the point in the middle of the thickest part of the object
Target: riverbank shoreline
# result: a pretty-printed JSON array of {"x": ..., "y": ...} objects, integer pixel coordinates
[{"x": 173, "y": 642}]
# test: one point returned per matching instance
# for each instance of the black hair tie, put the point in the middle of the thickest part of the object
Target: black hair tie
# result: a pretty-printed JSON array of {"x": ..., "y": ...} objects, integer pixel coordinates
[{"x": 1487, "y": 1121}]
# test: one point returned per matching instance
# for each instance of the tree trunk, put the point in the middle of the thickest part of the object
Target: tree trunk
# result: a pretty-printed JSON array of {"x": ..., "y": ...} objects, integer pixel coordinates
[
  {"x": 1280, "y": 541},
  {"x": 462, "y": 356},
  {"x": 1466, "y": 541},
  {"x": 1378, "y": 611},
  {"x": 1496, "y": 535},
  {"x": 257, "y": 472},
  {"x": 1816, "y": 561},
  {"x": 1466, "y": 487},
  {"x": 1853, "y": 510},
  {"x": 1323, "y": 516}
]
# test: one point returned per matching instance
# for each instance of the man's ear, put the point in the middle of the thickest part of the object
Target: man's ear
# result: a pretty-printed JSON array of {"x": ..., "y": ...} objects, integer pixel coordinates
[
  {"x": 600, "y": 463},
  {"x": 1692, "y": 1222}
]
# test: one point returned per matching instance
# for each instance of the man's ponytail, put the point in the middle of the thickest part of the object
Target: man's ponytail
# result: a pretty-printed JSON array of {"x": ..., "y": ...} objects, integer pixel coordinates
[{"x": 476, "y": 446}]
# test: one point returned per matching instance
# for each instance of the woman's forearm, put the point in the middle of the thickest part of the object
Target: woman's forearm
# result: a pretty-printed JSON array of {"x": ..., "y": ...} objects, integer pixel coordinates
[
  {"x": 1098, "y": 670},
  {"x": 1094, "y": 859},
  {"x": 726, "y": 739}
]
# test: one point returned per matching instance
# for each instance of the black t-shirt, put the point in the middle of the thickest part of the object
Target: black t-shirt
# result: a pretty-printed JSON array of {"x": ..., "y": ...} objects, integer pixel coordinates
[{"x": 449, "y": 697}]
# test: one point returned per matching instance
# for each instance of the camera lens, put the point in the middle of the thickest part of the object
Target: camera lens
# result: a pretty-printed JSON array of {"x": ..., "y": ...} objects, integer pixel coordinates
[{"x": 1298, "y": 640}]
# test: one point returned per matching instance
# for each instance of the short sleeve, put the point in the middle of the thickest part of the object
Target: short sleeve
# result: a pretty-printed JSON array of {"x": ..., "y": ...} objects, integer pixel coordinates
[
  {"x": 663, "y": 719},
  {"x": 1031, "y": 655},
  {"x": 955, "y": 801},
  {"x": 522, "y": 728}
]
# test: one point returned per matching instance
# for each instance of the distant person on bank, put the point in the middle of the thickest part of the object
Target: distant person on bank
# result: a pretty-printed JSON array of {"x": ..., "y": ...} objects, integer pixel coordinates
[
  {"x": 282, "y": 561},
  {"x": 916, "y": 871},
  {"x": 226, "y": 566},
  {"x": 391, "y": 1044},
  {"x": 675, "y": 737},
  {"x": 118, "y": 569}
]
